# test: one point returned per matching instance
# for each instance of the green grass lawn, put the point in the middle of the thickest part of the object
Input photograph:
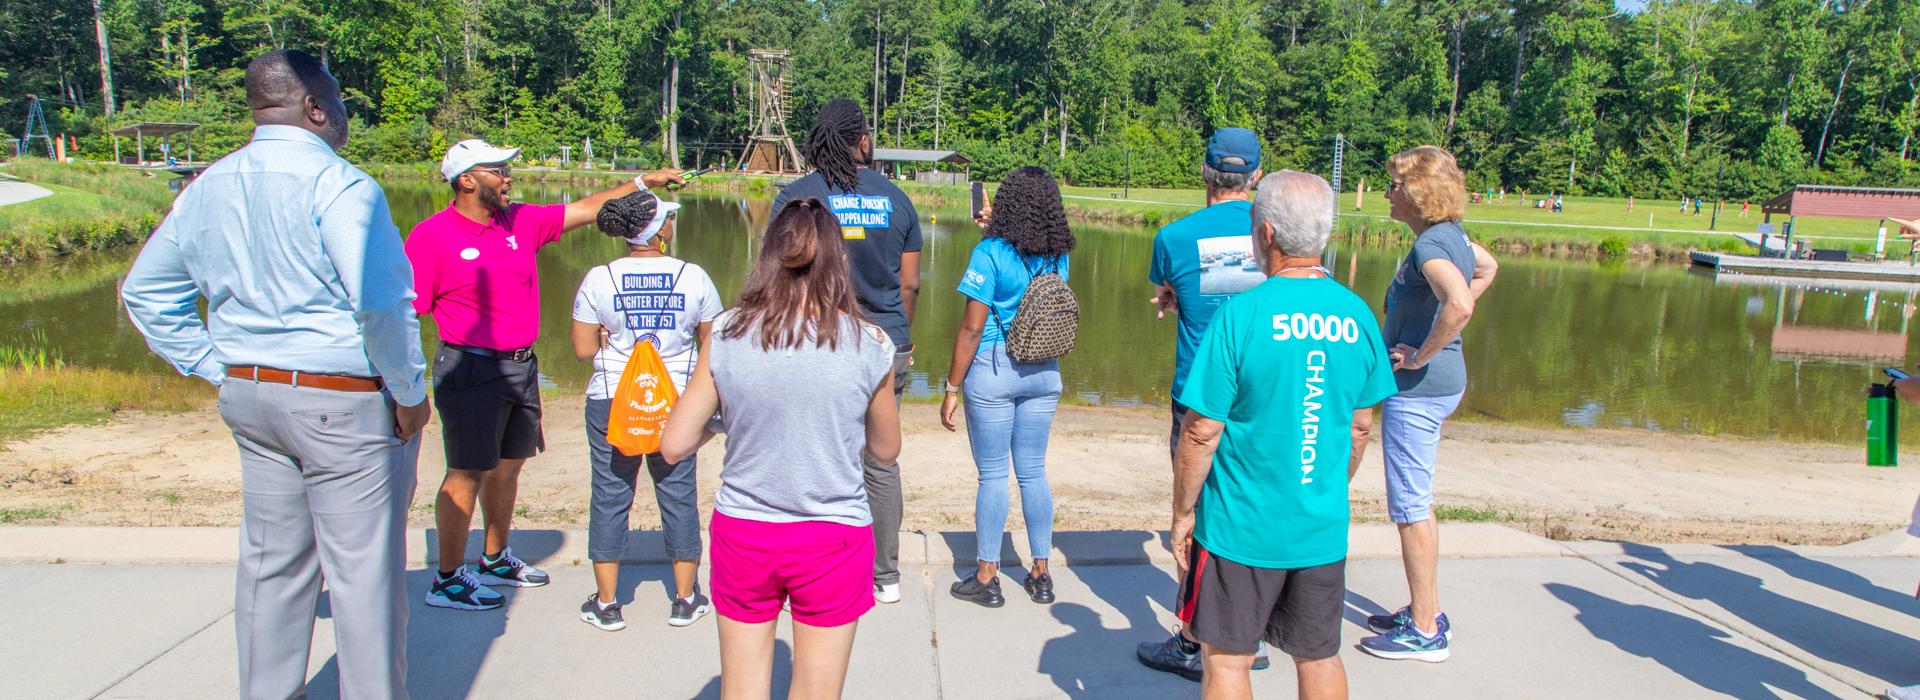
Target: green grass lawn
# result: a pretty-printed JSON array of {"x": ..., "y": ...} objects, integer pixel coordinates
[{"x": 93, "y": 207}]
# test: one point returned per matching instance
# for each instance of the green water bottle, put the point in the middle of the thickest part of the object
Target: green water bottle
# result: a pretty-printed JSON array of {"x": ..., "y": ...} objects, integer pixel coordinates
[{"x": 1883, "y": 426}]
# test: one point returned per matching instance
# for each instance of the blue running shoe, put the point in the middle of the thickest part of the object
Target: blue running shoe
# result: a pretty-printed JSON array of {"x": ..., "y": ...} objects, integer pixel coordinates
[
  {"x": 1383, "y": 624},
  {"x": 1406, "y": 642}
]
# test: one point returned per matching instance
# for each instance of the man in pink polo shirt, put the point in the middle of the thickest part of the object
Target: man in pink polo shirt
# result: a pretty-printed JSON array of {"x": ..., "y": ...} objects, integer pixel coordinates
[{"x": 474, "y": 270}]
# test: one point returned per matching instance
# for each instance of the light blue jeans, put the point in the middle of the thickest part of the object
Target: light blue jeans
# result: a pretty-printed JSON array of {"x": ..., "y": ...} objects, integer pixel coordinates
[
  {"x": 1009, "y": 415},
  {"x": 1410, "y": 443}
]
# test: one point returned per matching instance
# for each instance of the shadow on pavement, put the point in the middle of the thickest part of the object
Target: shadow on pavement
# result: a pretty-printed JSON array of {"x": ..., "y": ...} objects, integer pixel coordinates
[
  {"x": 1693, "y": 649},
  {"x": 1096, "y": 661},
  {"x": 1821, "y": 573},
  {"x": 1837, "y": 638},
  {"x": 782, "y": 674},
  {"x": 446, "y": 647}
]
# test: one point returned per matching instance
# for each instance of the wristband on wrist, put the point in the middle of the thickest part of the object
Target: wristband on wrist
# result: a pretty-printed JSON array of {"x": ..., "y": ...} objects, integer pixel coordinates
[
  {"x": 640, "y": 181},
  {"x": 951, "y": 389}
]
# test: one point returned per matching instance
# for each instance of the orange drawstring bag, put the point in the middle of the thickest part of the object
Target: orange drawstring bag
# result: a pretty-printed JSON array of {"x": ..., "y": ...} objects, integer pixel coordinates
[{"x": 641, "y": 403}]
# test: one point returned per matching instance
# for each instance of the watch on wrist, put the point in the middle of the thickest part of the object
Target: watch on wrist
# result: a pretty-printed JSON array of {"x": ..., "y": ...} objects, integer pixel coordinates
[
  {"x": 640, "y": 181},
  {"x": 951, "y": 389}
]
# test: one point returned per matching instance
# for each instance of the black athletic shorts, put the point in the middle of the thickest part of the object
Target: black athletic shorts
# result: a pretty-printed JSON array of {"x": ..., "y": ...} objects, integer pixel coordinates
[
  {"x": 1233, "y": 606},
  {"x": 489, "y": 408}
]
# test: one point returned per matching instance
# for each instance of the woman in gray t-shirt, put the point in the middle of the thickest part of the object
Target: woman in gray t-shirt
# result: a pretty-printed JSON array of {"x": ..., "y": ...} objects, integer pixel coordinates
[{"x": 802, "y": 385}]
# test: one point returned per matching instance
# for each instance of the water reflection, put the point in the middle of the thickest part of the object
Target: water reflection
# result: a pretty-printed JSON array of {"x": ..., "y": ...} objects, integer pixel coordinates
[{"x": 1557, "y": 343}]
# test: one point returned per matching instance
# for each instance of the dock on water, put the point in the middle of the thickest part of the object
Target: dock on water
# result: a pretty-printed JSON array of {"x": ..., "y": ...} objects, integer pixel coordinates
[{"x": 1779, "y": 267}]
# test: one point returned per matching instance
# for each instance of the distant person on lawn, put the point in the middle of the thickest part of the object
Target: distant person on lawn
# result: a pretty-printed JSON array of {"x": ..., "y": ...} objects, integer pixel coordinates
[
  {"x": 475, "y": 271},
  {"x": 310, "y": 335},
  {"x": 1280, "y": 397}
]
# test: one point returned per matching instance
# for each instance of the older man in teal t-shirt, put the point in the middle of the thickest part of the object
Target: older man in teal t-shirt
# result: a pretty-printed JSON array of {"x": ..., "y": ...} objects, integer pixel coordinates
[{"x": 1280, "y": 395}]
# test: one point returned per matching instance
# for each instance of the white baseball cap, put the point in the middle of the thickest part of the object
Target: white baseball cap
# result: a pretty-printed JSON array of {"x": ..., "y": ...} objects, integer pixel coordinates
[{"x": 465, "y": 155}]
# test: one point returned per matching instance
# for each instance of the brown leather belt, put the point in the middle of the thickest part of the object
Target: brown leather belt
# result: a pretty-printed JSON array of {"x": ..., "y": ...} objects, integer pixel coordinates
[{"x": 330, "y": 382}]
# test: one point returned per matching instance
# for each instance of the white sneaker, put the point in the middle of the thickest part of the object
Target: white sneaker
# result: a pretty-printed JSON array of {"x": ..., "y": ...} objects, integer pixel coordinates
[
  {"x": 886, "y": 592},
  {"x": 1911, "y": 692}
]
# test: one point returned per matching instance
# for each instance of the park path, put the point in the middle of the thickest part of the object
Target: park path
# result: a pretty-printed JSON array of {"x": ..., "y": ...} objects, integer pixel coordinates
[
  {"x": 1533, "y": 619},
  {"x": 15, "y": 192}
]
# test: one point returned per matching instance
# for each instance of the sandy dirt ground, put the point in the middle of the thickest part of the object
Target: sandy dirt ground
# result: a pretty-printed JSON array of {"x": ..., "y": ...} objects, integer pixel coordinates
[{"x": 1108, "y": 467}]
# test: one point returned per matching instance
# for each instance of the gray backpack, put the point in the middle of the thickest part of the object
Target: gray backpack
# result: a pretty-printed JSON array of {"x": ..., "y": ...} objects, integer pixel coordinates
[{"x": 1049, "y": 318}]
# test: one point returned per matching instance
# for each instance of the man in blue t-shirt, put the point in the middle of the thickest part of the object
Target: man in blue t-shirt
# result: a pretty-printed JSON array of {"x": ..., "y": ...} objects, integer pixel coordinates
[
  {"x": 1199, "y": 262},
  {"x": 1281, "y": 395},
  {"x": 1206, "y": 257}
]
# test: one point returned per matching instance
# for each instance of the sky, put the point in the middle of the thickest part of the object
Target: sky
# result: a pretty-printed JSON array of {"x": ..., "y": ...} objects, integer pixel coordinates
[{"x": 1630, "y": 5}]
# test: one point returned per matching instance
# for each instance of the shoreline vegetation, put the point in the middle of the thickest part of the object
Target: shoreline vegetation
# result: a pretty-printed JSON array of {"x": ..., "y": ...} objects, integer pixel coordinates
[
  {"x": 102, "y": 206},
  {"x": 1594, "y": 228},
  {"x": 94, "y": 207}
]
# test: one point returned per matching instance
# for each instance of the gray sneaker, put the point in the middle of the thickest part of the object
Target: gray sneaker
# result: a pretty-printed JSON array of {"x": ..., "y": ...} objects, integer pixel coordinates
[
  {"x": 686, "y": 611},
  {"x": 1911, "y": 692},
  {"x": 607, "y": 618}
]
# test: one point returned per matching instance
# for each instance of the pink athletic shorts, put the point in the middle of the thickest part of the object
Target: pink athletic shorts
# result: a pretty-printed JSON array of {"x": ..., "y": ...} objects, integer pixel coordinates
[{"x": 825, "y": 570}]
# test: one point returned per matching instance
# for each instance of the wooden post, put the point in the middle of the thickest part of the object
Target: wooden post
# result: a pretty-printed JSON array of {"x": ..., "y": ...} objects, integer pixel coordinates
[
  {"x": 139, "y": 147},
  {"x": 1360, "y": 194},
  {"x": 116, "y": 148}
]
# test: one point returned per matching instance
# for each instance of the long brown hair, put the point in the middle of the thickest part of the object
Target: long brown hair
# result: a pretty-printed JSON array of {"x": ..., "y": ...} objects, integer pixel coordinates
[{"x": 800, "y": 290}]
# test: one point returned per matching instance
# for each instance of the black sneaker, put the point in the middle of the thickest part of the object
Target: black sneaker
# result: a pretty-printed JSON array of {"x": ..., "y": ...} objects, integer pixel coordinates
[
  {"x": 1039, "y": 587},
  {"x": 987, "y": 595},
  {"x": 508, "y": 570},
  {"x": 607, "y": 618},
  {"x": 1175, "y": 655},
  {"x": 462, "y": 591},
  {"x": 686, "y": 611}
]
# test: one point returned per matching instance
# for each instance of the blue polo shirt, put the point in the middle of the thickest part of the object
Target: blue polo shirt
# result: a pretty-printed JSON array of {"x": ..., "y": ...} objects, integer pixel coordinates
[{"x": 1207, "y": 257}]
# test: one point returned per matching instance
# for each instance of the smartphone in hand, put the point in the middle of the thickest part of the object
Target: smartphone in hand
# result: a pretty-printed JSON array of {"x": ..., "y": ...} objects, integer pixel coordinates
[
  {"x": 979, "y": 198},
  {"x": 1895, "y": 373}
]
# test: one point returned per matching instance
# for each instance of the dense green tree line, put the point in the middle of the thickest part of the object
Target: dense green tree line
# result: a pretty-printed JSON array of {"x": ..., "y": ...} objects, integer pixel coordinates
[{"x": 1678, "y": 97}]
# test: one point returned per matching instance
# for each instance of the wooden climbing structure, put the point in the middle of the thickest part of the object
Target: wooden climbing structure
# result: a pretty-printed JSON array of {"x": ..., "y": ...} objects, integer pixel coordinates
[{"x": 770, "y": 146}]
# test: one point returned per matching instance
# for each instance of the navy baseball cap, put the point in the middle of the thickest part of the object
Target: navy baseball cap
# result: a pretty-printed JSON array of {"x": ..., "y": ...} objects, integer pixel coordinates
[{"x": 1233, "y": 150}]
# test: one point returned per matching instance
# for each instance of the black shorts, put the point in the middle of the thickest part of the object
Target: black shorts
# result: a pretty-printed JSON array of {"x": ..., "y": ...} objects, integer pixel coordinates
[
  {"x": 1232, "y": 606},
  {"x": 489, "y": 408}
]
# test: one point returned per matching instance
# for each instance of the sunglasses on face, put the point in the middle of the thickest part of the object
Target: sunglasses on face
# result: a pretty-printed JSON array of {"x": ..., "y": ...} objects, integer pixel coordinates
[
  {"x": 504, "y": 171},
  {"x": 1393, "y": 185}
]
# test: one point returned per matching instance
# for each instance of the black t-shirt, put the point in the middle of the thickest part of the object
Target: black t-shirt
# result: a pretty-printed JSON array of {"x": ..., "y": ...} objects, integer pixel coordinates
[{"x": 878, "y": 224}]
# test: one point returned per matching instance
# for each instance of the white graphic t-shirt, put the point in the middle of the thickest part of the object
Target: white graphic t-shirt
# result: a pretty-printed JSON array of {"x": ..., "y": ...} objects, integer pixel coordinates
[{"x": 663, "y": 300}]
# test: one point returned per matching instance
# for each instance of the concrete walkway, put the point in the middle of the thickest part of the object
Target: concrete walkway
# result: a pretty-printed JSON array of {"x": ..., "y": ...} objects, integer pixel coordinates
[
  {"x": 15, "y": 192},
  {"x": 1533, "y": 619}
]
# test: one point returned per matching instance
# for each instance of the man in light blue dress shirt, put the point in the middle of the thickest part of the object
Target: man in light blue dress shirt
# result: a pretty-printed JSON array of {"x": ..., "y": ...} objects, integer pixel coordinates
[{"x": 311, "y": 336}]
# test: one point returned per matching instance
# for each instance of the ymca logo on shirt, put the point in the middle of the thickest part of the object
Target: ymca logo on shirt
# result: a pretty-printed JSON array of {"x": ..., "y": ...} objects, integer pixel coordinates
[
  {"x": 648, "y": 302},
  {"x": 859, "y": 212}
]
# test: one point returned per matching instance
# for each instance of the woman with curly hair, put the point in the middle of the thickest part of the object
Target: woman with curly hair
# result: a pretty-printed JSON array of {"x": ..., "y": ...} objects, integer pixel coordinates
[{"x": 1009, "y": 404}]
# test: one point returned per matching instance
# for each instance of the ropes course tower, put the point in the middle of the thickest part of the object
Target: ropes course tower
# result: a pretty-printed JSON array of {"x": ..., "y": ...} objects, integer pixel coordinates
[
  {"x": 769, "y": 147},
  {"x": 1339, "y": 164}
]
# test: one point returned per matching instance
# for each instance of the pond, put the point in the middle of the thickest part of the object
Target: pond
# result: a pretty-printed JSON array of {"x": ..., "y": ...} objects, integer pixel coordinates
[{"x": 1555, "y": 343}]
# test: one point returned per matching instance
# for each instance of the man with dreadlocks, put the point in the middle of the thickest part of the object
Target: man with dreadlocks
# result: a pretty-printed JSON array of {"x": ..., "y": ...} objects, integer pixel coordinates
[
  {"x": 881, "y": 232},
  {"x": 474, "y": 269}
]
